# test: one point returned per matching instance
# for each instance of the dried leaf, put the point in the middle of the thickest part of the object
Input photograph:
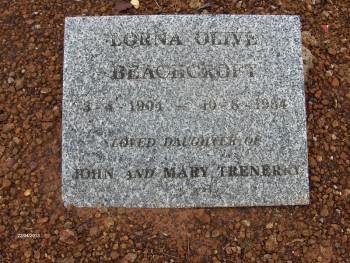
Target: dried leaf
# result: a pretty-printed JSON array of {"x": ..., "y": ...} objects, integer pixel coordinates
[{"x": 121, "y": 5}]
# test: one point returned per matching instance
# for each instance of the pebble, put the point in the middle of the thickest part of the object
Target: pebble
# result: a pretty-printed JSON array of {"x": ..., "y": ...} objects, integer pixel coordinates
[
  {"x": 246, "y": 223},
  {"x": 271, "y": 244},
  {"x": 94, "y": 231},
  {"x": 10, "y": 80},
  {"x": 45, "y": 90},
  {"x": 308, "y": 59},
  {"x": 216, "y": 233},
  {"x": 325, "y": 28},
  {"x": 324, "y": 212},
  {"x": 202, "y": 216},
  {"x": 19, "y": 84},
  {"x": 2, "y": 228},
  {"x": 228, "y": 250},
  {"x": 269, "y": 225},
  {"x": 27, "y": 253},
  {"x": 131, "y": 257},
  {"x": 332, "y": 51},
  {"x": 8, "y": 127},
  {"x": 114, "y": 255},
  {"x": 335, "y": 82},
  {"x": 68, "y": 236},
  {"x": 27, "y": 192},
  {"x": 195, "y": 4},
  {"x": 6, "y": 183},
  {"x": 326, "y": 13},
  {"x": 46, "y": 125},
  {"x": 312, "y": 161},
  {"x": 318, "y": 94},
  {"x": 329, "y": 73}
]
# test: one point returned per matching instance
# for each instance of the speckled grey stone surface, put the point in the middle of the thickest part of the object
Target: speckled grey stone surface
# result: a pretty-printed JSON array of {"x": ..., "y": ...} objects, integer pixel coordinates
[{"x": 184, "y": 111}]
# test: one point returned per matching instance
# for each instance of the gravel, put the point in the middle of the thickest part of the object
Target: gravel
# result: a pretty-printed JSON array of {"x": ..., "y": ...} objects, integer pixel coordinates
[{"x": 31, "y": 42}]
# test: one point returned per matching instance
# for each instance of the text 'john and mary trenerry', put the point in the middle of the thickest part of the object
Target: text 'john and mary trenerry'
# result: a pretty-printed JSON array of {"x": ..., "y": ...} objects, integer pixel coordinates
[
  {"x": 134, "y": 71},
  {"x": 175, "y": 172}
]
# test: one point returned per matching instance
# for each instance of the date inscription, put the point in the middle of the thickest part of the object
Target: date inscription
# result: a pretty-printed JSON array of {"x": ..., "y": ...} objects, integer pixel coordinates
[{"x": 159, "y": 105}]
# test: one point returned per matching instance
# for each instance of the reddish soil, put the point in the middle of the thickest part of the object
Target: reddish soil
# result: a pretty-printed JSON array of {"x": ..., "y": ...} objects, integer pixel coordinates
[{"x": 31, "y": 59}]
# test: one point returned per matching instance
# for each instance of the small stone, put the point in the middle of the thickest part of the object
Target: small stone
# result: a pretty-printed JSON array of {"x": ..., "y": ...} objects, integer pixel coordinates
[
  {"x": 114, "y": 255},
  {"x": 308, "y": 59},
  {"x": 8, "y": 127},
  {"x": 318, "y": 94},
  {"x": 269, "y": 225},
  {"x": 10, "y": 80},
  {"x": 68, "y": 236},
  {"x": 115, "y": 246},
  {"x": 228, "y": 250},
  {"x": 246, "y": 223},
  {"x": 307, "y": 232},
  {"x": 27, "y": 253},
  {"x": 2, "y": 149},
  {"x": 329, "y": 73},
  {"x": 325, "y": 28},
  {"x": 347, "y": 95},
  {"x": 324, "y": 211},
  {"x": 312, "y": 161},
  {"x": 45, "y": 90},
  {"x": 6, "y": 183},
  {"x": 30, "y": 21},
  {"x": 308, "y": 38},
  {"x": 335, "y": 82},
  {"x": 57, "y": 77},
  {"x": 2, "y": 228},
  {"x": 16, "y": 140},
  {"x": 37, "y": 254},
  {"x": 202, "y": 216},
  {"x": 332, "y": 51},
  {"x": 131, "y": 257},
  {"x": 97, "y": 215},
  {"x": 315, "y": 178},
  {"x": 19, "y": 84},
  {"x": 325, "y": 13},
  {"x": 94, "y": 231},
  {"x": 43, "y": 220},
  {"x": 46, "y": 125},
  {"x": 195, "y": 4},
  {"x": 319, "y": 158},
  {"x": 135, "y": 4},
  {"x": 216, "y": 233},
  {"x": 27, "y": 192},
  {"x": 3, "y": 117},
  {"x": 271, "y": 244},
  {"x": 43, "y": 243}
]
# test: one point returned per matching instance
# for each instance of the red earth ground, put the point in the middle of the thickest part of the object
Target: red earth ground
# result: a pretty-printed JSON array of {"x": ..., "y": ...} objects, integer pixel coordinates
[{"x": 31, "y": 60}]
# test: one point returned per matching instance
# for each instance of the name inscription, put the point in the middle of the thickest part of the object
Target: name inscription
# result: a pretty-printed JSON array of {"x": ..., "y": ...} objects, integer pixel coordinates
[
  {"x": 191, "y": 172},
  {"x": 193, "y": 71},
  {"x": 200, "y": 38}
]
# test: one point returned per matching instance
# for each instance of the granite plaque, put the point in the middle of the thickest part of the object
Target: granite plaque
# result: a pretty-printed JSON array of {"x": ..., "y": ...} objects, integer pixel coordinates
[{"x": 184, "y": 111}]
